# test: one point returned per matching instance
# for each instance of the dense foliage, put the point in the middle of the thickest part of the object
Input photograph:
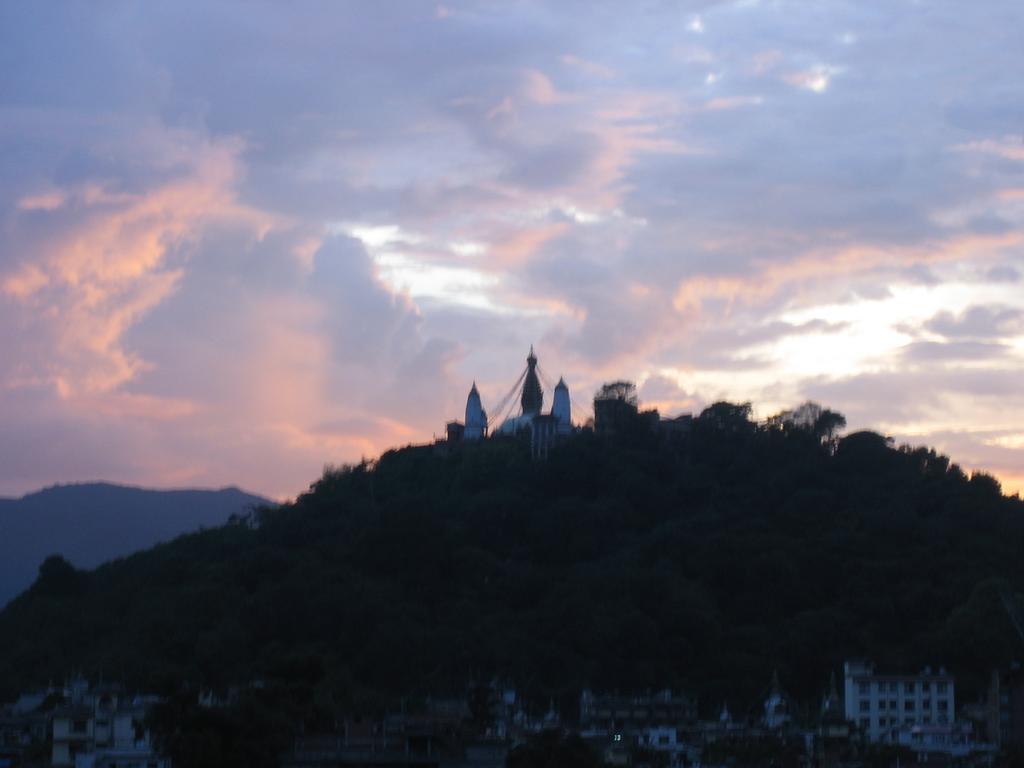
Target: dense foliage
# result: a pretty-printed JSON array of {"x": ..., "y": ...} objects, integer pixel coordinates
[{"x": 638, "y": 561}]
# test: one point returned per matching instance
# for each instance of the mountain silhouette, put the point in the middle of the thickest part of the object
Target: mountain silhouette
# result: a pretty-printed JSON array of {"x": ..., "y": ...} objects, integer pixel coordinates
[{"x": 90, "y": 523}]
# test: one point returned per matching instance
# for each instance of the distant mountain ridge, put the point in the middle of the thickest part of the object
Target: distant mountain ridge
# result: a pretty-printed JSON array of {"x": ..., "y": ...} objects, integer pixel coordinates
[{"x": 90, "y": 523}]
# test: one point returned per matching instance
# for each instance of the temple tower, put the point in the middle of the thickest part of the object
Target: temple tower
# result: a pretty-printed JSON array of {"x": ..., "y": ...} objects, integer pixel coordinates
[
  {"x": 561, "y": 408},
  {"x": 476, "y": 417},
  {"x": 533, "y": 396}
]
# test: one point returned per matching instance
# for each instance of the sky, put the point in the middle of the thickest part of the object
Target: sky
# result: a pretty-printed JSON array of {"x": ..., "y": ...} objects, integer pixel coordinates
[{"x": 243, "y": 241}]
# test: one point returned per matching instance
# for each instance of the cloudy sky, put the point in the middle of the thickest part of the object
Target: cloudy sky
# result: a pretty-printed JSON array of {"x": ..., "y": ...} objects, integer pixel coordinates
[{"x": 241, "y": 241}]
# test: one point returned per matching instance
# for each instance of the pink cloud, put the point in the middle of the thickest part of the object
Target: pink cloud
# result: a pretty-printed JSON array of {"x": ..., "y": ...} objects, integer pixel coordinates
[
  {"x": 1007, "y": 147},
  {"x": 522, "y": 244},
  {"x": 817, "y": 264},
  {"x": 764, "y": 62},
  {"x": 104, "y": 265},
  {"x": 45, "y": 201},
  {"x": 538, "y": 88},
  {"x": 592, "y": 68}
]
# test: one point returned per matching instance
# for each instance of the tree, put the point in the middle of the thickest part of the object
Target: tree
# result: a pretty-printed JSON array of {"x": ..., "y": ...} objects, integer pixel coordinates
[
  {"x": 811, "y": 418},
  {"x": 827, "y": 427},
  {"x": 618, "y": 390},
  {"x": 59, "y": 578},
  {"x": 727, "y": 417}
]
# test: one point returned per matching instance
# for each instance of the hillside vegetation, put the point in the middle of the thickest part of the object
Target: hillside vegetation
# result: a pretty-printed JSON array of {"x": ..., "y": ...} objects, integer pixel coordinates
[
  {"x": 90, "y": 523},
  {"x": 702, "y": 563}
]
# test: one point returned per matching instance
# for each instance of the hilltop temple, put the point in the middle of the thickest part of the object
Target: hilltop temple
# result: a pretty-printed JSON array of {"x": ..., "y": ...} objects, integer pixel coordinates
[
  {"x": 543, "y": 428},
  {"x": 616, "y": 413}
]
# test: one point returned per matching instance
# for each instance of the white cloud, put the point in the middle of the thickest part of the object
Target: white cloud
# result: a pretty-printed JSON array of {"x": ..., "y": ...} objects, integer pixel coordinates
[{"x": 816, "y": 78}]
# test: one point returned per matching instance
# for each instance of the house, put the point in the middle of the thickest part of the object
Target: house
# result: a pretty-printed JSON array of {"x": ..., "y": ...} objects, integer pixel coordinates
[
  {"x": 103, "y": 728},
  {"x": 72, "y": 734},
  {"x": 1005, "y": 708},
  {"x": 24, "y": 727},
  {"x": 951, "y": 740},
  {"x": 611, "y": 713},
  {"x": 776, "y": 706},
  {"x": 883, "y": 704}
]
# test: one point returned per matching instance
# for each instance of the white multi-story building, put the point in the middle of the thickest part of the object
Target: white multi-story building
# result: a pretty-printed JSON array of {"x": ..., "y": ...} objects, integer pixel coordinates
[
  {"x": 103, "y": 729},
  {"x": 881, "y": 705}
]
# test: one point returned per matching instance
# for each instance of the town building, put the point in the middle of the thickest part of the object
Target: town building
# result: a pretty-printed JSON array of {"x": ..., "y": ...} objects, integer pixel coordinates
[
  {"x": 1004, "y": 713},
  {"x": 882, "y": 705},
  {"x": 103, "y": 728},
  {"x": 776, "y": 706},
  {"x": 949, "y": 740},
  {"x": 830, "y": 743},
  {"x": 634, "y": 715},
  {"x": 24, "y": 727},
  {"x": 72, "y": 734}
]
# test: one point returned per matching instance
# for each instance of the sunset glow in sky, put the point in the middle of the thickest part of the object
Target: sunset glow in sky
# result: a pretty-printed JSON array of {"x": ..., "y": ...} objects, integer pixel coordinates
[{"x": 242, "y": 241}]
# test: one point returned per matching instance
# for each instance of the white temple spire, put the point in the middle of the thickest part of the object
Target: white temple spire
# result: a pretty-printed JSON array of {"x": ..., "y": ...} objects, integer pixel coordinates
[
  {"x": 476, "y": 416},
  {"x": 561, "y": 407}
]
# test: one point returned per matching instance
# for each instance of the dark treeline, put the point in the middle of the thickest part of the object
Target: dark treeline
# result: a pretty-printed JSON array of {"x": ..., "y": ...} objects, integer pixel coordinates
[{"x": 703, "y": 563}]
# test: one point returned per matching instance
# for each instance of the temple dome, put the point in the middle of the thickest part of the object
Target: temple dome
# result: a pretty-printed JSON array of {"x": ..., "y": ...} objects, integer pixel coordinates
[{"x": 515, "y": 424}]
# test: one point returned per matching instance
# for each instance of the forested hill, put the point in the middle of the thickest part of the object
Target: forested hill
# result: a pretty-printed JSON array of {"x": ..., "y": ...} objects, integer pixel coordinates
[{"x": 703, "y": 563}]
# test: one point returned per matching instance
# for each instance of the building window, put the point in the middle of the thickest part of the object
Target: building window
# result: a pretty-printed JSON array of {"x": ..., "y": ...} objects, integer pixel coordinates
[
  {"x": 892, "y": 705},
  {"x": 865, "y": 705},
  {"x": 943, "y": 705},
  {"x": 864, "y": 688},
  {"x": 865, "y": 723},
  {"x": 908, "y": 705},
  {"x": 941, "y": 687},
  {"x": 909, "y": 688}
]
